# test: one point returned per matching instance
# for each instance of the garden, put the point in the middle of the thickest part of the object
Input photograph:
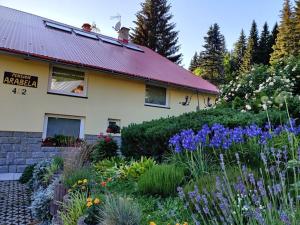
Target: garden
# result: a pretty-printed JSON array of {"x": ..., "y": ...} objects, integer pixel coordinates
[{"x": 235, "y": 163}]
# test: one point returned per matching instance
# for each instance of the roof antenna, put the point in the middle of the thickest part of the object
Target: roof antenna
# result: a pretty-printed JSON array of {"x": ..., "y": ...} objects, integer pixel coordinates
[{"x": 117, "y": 27}]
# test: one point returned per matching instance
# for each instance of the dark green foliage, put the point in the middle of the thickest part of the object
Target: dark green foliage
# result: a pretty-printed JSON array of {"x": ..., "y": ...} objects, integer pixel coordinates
[
  {"x": 239, "y": 50},
  {"x": 264, "y": 48},
  {"x": 155, "y": 30},
  {"x": 161, "y": 180},
  {"x": 151, "y": 138},
  {"x": 194, "y": 62},
  {"x": 255, "y": 38},
  {"x": 213, "y": 56},
  {"x": 105, "y": 148},
  {"x": 80, "y": 174},
  {"x": 27, "y": 174}
]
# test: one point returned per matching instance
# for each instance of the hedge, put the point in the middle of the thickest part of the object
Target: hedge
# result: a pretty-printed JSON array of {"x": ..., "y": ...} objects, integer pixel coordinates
[{"x": 151, "y": 138}]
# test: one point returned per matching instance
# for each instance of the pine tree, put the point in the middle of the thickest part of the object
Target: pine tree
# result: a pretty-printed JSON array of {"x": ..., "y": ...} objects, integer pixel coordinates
[
  {"x": 273, "y": 38},
  {"x": 248, "y": 57},
  {"x": 213, "y": 56},
  {"x": 285, "y": 39},
  {"x": 194, "y": 62},
  {"x": 239, "y": 51},
  {"x": 264, "y": 46},
  {"x": 254, "y": 36},
  {"x": 155, "y": 30},
  {"x": 297, "y": 27}
]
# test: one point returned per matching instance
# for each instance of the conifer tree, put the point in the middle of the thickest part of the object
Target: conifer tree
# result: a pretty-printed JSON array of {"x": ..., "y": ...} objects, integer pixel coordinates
[
  {"x": 248, "y": 57},
  {"x": 273, "y": 38},
  {"x": 194, "y": 62},
  {"x": 264, "y": 46},
  {"x": 285, "y": 39},
  {"x": 239, "y": 51},
  {"x": 254, "y": 36},
  {"x": 297, "y": 27},
  {"x": 213, "y": 56},
  {"x": 155, "y": 30}
]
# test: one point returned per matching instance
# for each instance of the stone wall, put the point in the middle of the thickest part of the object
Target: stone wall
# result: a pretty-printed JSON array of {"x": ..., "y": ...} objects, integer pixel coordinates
[{"x": 19, "y": 149}]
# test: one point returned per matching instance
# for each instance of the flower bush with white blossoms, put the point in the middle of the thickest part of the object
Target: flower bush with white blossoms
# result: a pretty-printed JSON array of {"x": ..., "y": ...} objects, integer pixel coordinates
[{"x": 264, "y": 87}]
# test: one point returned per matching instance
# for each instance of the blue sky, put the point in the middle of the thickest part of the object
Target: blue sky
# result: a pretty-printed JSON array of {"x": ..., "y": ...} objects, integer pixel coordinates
[{"x": 193, "y": 17}]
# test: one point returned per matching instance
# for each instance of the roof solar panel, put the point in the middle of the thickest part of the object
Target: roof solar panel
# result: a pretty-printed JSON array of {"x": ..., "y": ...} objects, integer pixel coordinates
[
  {"x": 88, "y": 35},
  {"x": 133, "y": 47},
  {"x": 110, "y": 41},
  {"x": 58, "y": 26}
]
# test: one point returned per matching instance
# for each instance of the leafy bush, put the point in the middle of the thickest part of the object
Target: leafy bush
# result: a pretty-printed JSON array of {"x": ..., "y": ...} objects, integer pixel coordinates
[
  {"x": 136, "y": 168},
  {"x": 56, "y": 165},
  {"x": 73, "y": 177},
  {"x": 263, "y": 86},
  {"x": 108, "y": 168},
  {"x": 27, "y": 174},
  {"x": 40, "y": 203},
  {"x": 119, "y": 211},
  {"x": 151, "y": 138},
  {"x": 39, "y": 171},
  {"x": 73, "y": 209},
  {"x": 161, "y": 179},
  {"x": 62, "y": 141},
  {"x": 106, "y": 147}
]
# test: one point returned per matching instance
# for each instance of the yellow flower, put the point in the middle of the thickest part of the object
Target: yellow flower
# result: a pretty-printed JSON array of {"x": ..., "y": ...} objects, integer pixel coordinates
[
  {"x": 152, "y": 223},
  {"x": 89, "y": 199},
  {"x": 185, "y": 223},
  {"x": 89, "y": 204},
  {"x": 85, "y": 181},
  {"x": 177, "y": 224},
  {"x": 79, "y": 182},
  {"x": 97, "y": 201}
]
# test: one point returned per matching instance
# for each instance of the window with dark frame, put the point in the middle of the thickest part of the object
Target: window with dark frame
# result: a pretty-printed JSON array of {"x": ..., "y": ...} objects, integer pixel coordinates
[
  {"x": 156, "y": 95},
  {"x": 67, "y": 81}
]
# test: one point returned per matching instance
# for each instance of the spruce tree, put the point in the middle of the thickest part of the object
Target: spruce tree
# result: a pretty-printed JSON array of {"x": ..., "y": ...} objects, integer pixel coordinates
[
  {"x": 285, "y": 39},
  {"x": 194, "y": 62},
  {"x": 155, "y": 30},
  {"x": 273, "y": 38},
  {"x": 264, "y": 46},
  {"x": 213, "y": 56},
  {"x": 254, "y": 36},
  {"x": 239, "y": 51},
  {"x": 248, "y": 57},
  {"x": 297, "y": 27}
]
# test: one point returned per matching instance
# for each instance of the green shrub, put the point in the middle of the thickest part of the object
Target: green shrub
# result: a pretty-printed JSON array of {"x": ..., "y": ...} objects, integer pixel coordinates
[
  {"x": 108, "y": 168},
  {"x": 73, "y": 209},
  {"x": 27, "y": 174},
  {"x": 152, "y": 138},
  {"x": 136, "y": 168},
  {"x": 106, "y": 147},
  {"x": 161, "y": 179},
  {"x": 55, "y": 166},
  {"x": 119, "y": 211},
  {"x": 80, "y": 174}
]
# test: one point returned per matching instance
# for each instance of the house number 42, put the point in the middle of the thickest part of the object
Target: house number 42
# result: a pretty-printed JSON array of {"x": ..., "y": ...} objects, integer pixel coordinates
[{"x": 19, "y": 91}]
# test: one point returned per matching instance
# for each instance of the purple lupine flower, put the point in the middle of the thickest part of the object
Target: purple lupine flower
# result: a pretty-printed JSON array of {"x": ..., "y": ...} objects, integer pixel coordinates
[
  {"x": 276, "y": 189},
  {"x": 240, "y": 187},
  {"x": 261, "y": 188},
  {"x": 251, "y": 178},
  {"x": 259, "y": 217},
  {"x": 284, "y": 218}
]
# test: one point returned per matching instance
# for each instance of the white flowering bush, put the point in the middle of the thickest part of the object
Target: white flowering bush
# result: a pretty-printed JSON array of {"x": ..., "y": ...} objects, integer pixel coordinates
[{"x": 265, "y": 87}]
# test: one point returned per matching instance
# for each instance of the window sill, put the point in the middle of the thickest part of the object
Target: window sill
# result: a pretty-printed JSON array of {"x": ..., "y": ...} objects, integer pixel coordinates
[
  {"x": 68, "y": 95},
  {"x": 157, "y": 106}
]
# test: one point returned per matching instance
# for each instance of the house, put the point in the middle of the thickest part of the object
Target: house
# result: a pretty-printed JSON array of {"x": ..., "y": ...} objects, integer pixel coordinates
[{"x": 59, "y": 79}]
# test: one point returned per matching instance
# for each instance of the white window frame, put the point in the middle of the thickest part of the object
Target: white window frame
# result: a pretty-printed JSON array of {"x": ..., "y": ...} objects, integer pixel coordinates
[
  {"x": 82, "y": 124},
  {"x": 158, "y": 105},
  {"x": 66, "y": 93}
]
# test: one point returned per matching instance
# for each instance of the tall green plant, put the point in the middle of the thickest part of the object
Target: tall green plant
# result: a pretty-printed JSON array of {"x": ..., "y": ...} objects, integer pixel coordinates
[{"x": 161, "y": 179}]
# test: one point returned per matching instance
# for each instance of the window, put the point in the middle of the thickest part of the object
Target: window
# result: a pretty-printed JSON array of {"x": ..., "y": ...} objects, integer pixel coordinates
[
  {"x": 110, "y": 41},
  {"x": 69, "y": 82},
  {"x": 114, "y": 126},
  {"x": 85, "y": 34},
  {"x": 58, "y": 26},
  {"x": 156, "y": 96},
  {"x": 63, "y": 125}
]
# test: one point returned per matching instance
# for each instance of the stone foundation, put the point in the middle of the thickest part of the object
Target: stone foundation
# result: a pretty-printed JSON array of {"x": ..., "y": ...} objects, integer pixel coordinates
[{"x": 20, "y": 149}]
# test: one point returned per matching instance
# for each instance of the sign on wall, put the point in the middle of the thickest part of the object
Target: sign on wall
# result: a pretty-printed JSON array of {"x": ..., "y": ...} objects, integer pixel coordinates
[{"x": 20, "y": 79}]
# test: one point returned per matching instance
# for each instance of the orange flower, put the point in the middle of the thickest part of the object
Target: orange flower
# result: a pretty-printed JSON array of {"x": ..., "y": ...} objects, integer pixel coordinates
[
  {"x": 89, "y": 204},
  {"x": 103, "y": 184},
  {"x": 97, "y": 201}
]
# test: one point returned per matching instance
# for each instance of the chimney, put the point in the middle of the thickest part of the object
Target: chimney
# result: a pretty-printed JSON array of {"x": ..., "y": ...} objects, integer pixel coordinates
[
  {"x": 87, "y": 27},
  {"x": 124, "y": 34}
]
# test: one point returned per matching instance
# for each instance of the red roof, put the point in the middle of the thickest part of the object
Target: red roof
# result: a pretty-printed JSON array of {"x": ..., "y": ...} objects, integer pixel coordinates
[{"x": 27, "y": 34}]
